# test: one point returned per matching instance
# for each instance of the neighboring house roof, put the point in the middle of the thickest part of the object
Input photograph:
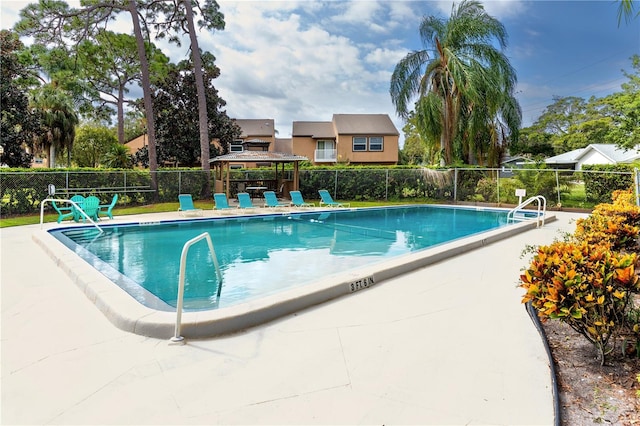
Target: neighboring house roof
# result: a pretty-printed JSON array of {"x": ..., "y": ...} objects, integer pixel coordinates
[
  {"x": 611, "y": 152},
  {"x": 570, "y": 157},
  {"x": 256, "y": 126},
  {"x": 354, "y": 124},
  {"x": 314, "y": 129},
  {"x": 258, "y": 156}
]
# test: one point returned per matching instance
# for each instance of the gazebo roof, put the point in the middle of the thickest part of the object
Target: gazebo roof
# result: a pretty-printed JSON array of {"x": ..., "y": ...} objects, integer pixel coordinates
[{"x": 258, "y": 156}]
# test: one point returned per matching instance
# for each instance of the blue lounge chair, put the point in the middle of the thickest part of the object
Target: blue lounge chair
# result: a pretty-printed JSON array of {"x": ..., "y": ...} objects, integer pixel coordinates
[
  {"x": 221, "y": 202},
  {"x": 298, "y": 201},
  {"x": 271, "y": 201},
  {"x": 105, "y": 209},
  {"x": 244, "y": 201},
  {"x": 327, "y": 200},
  {"x": 187, "y": 207},
  {"x": 63, "y": 212}
]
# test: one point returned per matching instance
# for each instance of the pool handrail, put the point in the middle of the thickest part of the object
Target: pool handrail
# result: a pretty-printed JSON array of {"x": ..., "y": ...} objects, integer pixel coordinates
[
  {"x": 540, "y": 214},
  {"x": 73, "y": 203},
  {"x": 177, "y": 338}
]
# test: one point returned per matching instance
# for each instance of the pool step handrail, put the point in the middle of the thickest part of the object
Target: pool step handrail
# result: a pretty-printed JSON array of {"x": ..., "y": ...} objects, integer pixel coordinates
[
  {"x": 517, "y": 213},
  {"x": 73, "y": 203},
  {"x": 177, "y": 338}
]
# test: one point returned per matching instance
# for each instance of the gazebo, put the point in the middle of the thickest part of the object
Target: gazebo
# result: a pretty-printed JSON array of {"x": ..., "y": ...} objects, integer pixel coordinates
[{"x": 222, "y": 168}]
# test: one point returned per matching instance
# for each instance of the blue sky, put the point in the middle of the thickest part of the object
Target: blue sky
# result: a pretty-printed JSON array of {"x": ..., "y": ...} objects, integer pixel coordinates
[{"x": 306, "y": 60}]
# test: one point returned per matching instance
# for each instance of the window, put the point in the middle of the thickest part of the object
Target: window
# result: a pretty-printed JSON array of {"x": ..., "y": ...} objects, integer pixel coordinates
[
  {"x": 236, "y": 146},
  {"x": 368, "y": 143},
  {"x": 375, "y": 143},
  {"x": 236, "y": 166},
  {"x": 359, "y": 143}
]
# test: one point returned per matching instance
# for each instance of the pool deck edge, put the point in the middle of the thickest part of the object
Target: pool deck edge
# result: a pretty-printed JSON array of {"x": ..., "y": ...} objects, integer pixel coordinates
[{"x": 129, "y": 315}]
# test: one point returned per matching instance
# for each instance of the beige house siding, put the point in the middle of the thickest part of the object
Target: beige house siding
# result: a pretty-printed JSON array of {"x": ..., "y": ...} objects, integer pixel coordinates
[{"x": 342, "y": 129}]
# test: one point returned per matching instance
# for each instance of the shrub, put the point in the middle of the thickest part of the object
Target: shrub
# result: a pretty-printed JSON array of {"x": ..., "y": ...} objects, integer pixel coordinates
[{"x": 586, "y": 286}]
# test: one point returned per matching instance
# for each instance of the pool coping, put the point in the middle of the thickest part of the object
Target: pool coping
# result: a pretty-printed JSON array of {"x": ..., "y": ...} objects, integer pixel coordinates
[{"x": 126, "y": 313}]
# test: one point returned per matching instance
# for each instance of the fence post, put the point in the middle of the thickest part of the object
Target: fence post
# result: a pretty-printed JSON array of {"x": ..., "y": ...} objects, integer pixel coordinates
[
  {"x": 335, "y": 185},
  {"x": 498, "y": 185},
  {"x": 455, "y": 185},
  {"x": 386, "y": 187},
  {"x": 636, "y": 182},
  {"x": 558, "y": 187}
]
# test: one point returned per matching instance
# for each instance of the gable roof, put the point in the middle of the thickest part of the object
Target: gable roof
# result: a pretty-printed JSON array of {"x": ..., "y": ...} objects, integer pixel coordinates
[
  {"x": 353, "y": 124},
  {"x": 256, "y": 126},
  {"x": 314, "y": 129},
  {"x": 612, "y": 152},
  {"x": 570, "y": 157}
]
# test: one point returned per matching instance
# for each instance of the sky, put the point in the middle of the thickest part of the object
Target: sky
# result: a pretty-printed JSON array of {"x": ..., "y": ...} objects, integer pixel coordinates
[{"x": 307, "y": 60}]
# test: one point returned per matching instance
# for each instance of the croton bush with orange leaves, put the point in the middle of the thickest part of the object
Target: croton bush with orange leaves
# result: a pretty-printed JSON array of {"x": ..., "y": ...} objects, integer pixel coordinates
[{"x": 588, "y": 281}]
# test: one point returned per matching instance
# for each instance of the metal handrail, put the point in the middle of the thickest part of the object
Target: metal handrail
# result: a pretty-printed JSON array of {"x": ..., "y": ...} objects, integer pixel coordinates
[
  {"x": 183, "y": 267},
  {"x": 78, "y": 207},
  {"x": 542, "y": 209}
]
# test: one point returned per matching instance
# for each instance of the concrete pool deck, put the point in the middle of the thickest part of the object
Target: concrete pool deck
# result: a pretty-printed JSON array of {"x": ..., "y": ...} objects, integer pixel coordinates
[{"x": 445, "y": 344}]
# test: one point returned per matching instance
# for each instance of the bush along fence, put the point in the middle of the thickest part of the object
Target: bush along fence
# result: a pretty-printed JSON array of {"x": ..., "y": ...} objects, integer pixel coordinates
[{"x": 22, "y": 190}]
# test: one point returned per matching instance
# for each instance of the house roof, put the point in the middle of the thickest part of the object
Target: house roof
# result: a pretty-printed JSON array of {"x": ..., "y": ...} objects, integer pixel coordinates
[
  {"x": 570, "y": 157},
  {"x": 258, "y": 156},
  {"x": 314, "y": 129},
  {"x": 610, "y": 151},
  {"x": 354, "y": 124},
  {"x": 614, "y": 152},
  {"x": 256, "y": 126}
]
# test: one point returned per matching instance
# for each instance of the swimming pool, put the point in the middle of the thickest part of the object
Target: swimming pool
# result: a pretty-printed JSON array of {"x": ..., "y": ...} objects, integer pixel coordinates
[{"x": 307, "y": 257}]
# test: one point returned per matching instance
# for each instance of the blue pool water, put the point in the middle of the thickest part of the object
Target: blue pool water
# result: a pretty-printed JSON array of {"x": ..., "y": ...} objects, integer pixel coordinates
[{"x": 262, "y": 255}]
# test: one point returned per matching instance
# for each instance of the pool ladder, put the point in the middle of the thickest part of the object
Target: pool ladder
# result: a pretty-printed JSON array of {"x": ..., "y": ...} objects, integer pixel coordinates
[
  {"x": 177, "y": 338},
  {"x": 517, "y": 213}
]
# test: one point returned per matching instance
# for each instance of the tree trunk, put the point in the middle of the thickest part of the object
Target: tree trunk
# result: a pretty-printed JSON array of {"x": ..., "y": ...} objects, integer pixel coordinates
[
  {"x": 120, "y": 108},
  {"x": 52, "y": 155},
  {"x": 202, "y": 100},
  {"x": 146, "y": 89}
]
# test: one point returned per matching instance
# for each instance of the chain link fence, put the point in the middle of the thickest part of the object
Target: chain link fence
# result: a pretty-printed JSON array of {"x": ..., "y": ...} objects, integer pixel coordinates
[{"x": 21, "y": 192}]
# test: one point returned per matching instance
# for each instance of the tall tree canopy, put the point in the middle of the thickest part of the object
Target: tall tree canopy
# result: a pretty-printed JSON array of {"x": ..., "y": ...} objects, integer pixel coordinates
[
  {"x": 18, "y": 124},
  {"x": 571, "y": 122},
  {"x": 109, "y": 63},
  {"x": 175, "y": 103},
  {"x": 464, "y": 85}
]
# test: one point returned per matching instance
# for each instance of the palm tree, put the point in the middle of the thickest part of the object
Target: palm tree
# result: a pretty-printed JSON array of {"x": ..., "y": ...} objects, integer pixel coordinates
[
  {"x": 465, "y": 75},
  {"x": 59, "y": 120},
  {"x": 625, "y": 10}
]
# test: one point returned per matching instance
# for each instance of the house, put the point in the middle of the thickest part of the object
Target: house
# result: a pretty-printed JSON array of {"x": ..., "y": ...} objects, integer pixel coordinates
[
  {"x": 593, "y": 154},
  {"x": 347, "y": 138},
  {"x": 256, "y": 135}
]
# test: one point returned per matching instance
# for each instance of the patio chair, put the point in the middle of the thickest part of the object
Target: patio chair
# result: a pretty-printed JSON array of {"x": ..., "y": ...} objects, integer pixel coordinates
[
  {"x": 271, "y": 201},
  {"x": 298, "y": 201},
  {"x": 105, "y": 209},
  {"x": 90, "y": 207},
  {"x": 327, "y": 200},
  {"x": 79, "y": 200},
  {"x": 244, "y": 201},
  {"x": 63, "y": 212},
  {"x": 187, "y": 207},
  {"x": 221, "y": 202}
]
